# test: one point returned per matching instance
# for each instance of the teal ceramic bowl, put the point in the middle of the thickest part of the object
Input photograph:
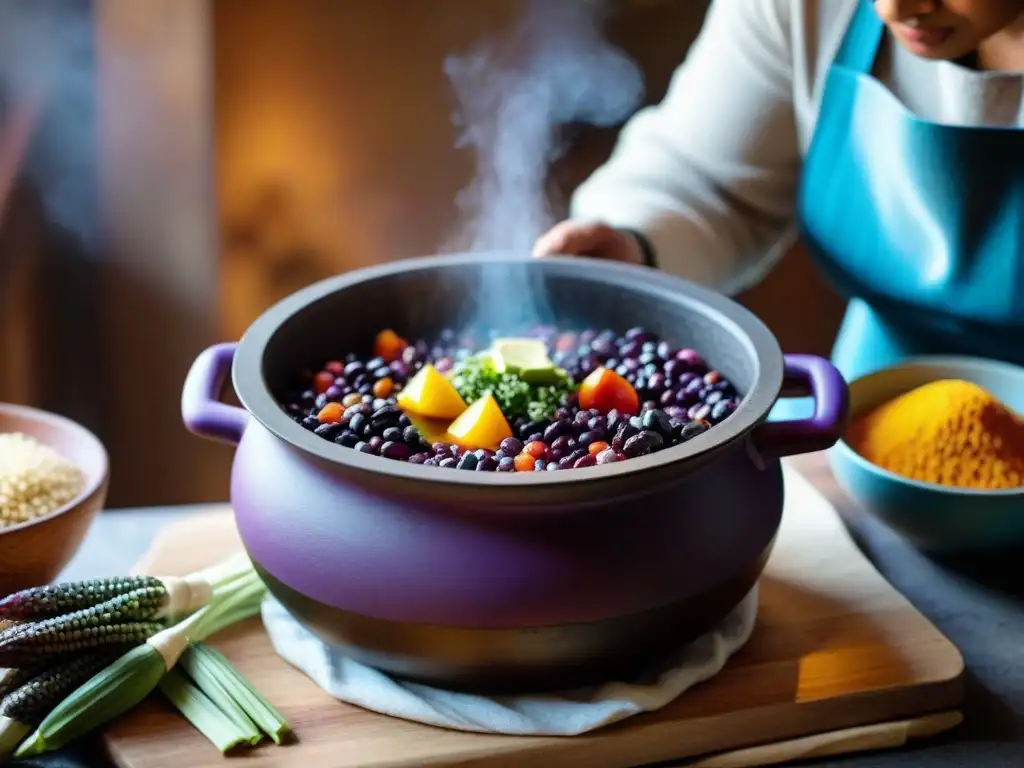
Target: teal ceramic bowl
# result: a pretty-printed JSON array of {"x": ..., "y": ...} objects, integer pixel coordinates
[{"x": 932, "y": 517}]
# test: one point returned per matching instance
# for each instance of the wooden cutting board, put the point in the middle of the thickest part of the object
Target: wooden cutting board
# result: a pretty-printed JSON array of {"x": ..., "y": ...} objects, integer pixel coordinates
[{"x": 839, "y": 661}]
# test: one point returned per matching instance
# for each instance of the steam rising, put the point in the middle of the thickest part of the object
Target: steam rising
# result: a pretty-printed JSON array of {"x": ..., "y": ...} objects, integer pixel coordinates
[
  {"x": 46, "y": 65},
  {"x": 553, "y": 68}
]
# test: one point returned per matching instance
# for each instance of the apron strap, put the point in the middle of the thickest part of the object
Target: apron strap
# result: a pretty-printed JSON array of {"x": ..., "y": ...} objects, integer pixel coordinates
[{"x": 862, "y": 38}]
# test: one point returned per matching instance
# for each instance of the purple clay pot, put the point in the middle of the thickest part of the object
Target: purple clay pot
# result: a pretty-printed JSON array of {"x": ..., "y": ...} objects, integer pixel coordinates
[{"x": 505, "y": 580}]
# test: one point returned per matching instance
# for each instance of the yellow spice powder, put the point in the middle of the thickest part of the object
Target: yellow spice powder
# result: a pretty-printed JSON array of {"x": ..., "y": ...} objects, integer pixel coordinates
[{"x": 950, "y": 432}]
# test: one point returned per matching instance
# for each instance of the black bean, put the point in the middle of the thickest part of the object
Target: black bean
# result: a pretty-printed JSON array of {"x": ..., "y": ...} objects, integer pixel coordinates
[
  {"x": 329, "y": 431},
  {"x": 641, "y": 445},
  {"x": 486, "y": 464},
  {"x": 382, "y": 420},
  {"x": 419, "y": 458},
  {"x": 713, "y": 397},
  {"x": 535, "y": 437},
  {"x": 377, "y": 362},
  {"x": 722, "y": 409},
  {"x": 411, "y": 435},
  {"x": 612, "y": 420},
  {"x": 624, "y": 433},
  {"x": 591, "y": 436},
  {"x": 448, "y": 463},
  {"x": 311, "y": 423},
  {"x": 576, "y": 455},
  {"x": 555, "y": 431},
  {"x": 468, "y": 461},
  {"x": 560, "y": 443},
  {"x": 353, "y": 369},
  {"x": 387, "y": 411},
  {"x": 359, "y": 424},
  {"x": 365, "y": 448},
  {"x": 532, "y": 428},
  {"x": 404, "y": 421},
  {"x": 352, "y": 410},
  {"x": 691, "y": 430},
  {"x": 396, "y": 451},
  {"x": 347, "y": 438},
  {"x": 658, "y": 421},
  {"x": 393, "y": 435}
]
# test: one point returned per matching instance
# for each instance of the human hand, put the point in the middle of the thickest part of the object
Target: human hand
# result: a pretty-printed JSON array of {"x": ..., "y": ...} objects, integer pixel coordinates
[{"x": 575, "y": 237}]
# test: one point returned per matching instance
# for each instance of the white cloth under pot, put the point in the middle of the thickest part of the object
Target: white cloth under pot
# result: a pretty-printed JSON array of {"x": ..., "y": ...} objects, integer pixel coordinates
[{"x": 565, "y": 714}]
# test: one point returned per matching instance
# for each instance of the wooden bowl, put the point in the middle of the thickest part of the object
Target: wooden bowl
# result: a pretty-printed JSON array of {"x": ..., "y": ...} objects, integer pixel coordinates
[{"x": 35, "y": 552}]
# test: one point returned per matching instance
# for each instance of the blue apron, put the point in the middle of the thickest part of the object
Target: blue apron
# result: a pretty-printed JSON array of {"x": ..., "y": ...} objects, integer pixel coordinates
[{"x": 920, "y": 225}]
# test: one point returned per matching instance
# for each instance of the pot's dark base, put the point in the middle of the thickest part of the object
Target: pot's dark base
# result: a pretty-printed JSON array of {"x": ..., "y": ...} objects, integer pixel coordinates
[{"x": 526, "y": 659}]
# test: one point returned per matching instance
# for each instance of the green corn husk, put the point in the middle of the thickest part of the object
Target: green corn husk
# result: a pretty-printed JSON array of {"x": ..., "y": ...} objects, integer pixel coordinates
[
  {"x": 108, "y": 624},
  {"x": 107, "y": 694},
  {"x": 127, "y": 681},
  {"x": 11, "y": 734},
  {"x": 215, "y": 676},
  {"x": 58, "y": 599},
  {"x": 223, "y": 730}
]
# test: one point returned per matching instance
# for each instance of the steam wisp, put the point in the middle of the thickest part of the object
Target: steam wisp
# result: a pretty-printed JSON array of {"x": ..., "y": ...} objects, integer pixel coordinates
[
  {"x": 47, "y": 62},
  {"x": 553, "y": 68}
]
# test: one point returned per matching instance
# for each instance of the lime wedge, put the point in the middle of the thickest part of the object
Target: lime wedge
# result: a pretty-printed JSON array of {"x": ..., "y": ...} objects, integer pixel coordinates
[
  {"x": 527, "y": 358},
  {"x": 516, "y": 355}
]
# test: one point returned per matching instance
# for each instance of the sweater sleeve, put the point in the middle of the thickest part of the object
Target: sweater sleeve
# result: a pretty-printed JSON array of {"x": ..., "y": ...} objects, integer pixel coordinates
[{"x": 709, "y": 175}]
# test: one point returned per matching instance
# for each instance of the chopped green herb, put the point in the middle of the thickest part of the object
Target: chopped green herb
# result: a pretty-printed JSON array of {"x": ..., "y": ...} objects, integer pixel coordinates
[{"x": 476, "y": 376}]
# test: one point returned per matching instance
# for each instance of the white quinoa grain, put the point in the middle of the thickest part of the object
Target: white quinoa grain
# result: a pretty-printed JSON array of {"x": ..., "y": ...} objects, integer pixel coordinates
[{"x": 35, "y": 480}]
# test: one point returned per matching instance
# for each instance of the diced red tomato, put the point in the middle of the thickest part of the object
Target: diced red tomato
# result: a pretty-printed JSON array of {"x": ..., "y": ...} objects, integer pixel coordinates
[
  {"x": 331, "y": 413},
  {"x": 389, "y": 345},
  {"x": 537, "y": 449},
  {"x": 605, "y": 390},
  {"x": 384, "y": 387},
  {"x": 524, "y": 462},
  {"x": 322, "y": 382}
]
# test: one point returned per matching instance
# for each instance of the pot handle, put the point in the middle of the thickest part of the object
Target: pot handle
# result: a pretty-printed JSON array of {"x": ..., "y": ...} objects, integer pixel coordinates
[
  {"x": 803, "y": 374},
  {"x": 201, "y": 409}
]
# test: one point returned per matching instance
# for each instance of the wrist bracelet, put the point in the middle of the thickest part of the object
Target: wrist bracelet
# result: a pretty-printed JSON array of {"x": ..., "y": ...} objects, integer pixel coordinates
[{"x": 649, "y": 258}]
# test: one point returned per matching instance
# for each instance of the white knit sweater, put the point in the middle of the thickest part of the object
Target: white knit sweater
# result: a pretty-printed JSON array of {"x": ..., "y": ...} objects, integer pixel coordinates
[{"x": 710, "y": 174}]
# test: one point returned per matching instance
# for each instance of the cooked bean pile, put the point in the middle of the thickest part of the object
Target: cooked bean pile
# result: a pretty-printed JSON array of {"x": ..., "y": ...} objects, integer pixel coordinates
[{"x": 679, "y": 397}]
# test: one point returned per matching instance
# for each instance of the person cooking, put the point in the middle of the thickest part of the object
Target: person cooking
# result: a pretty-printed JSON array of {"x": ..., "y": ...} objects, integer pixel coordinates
[{"x": 888, "y": 132}]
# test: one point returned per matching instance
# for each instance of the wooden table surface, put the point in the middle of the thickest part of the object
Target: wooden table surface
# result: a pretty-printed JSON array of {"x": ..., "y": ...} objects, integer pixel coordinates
[{"x": 977, "y": 603}]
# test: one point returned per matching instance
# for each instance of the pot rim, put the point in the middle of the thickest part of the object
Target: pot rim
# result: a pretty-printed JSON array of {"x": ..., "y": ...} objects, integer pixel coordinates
[{"x": 251, "y": 386}]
